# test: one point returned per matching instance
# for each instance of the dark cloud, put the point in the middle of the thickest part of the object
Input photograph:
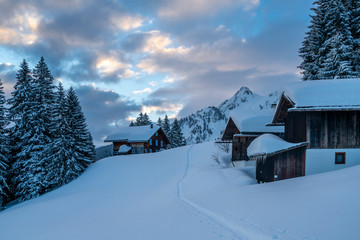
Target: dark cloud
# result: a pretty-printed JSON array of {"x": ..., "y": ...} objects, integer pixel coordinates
[
  {"x": 135, "y": 42},
  {"x": 104, "y": 110}
]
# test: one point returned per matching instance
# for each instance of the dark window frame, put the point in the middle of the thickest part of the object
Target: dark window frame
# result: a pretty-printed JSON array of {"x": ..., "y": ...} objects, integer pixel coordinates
[{"x": 343, "y": 156}]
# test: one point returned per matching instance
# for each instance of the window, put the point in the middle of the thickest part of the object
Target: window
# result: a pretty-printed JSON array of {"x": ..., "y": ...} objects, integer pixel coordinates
[
  {"x": 340, "y": 158},
  {"x": 156, "y": 142},
  {"x": 150, "y": 141},
  {"x": 156, "y": 134},
  {"x": 133, "y": 150},
  {"x": 162, "y": 144},
  {"x": 151, "y": 150},
  {"x": 145, "y": 150}
]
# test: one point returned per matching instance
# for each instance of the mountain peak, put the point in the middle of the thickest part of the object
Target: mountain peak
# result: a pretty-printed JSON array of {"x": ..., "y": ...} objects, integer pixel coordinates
[
  {"x": 241, "y": 96},
  {"x": 244, "y": 91}
]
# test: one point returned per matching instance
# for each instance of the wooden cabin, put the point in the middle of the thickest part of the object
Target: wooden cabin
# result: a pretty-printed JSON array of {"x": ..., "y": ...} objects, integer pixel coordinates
[
  {"x": 326, "y": 115},
  {"x": 138, "y": 139},
  {"x": 277, "y": 159},
  {"x": 241, "y": 130}
]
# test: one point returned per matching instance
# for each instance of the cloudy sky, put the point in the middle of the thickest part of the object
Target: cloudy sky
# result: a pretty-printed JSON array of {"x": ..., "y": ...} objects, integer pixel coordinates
[{"x": 158, "y": 56}]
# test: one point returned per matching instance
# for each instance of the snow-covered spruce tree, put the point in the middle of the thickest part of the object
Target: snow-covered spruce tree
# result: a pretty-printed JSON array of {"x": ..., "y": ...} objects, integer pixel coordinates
[
  {"x": 83, "y": 151},
  {"x": 4, "y": 150},
  {"x": 166, "y": 125},
  {"x": 311, "y": 52},
  {"x": 176, "y": 136},
  {"x": 142, "y": 120},
  {"x": 353, "y": 8},
  {"x": 59, "y": 151},
  {"x": 146, "y": 120},
  {"x": 330, "y": 47},
  {"x": 20, "y": 114},
  {"x": 159, "y": 122},
  {"x": 39, "y": 134},
  {"x": 339, "y": 44}
]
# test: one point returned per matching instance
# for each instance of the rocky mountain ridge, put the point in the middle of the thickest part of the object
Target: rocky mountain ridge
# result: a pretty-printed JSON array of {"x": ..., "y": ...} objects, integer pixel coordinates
[{"x": 208, "y": 123}]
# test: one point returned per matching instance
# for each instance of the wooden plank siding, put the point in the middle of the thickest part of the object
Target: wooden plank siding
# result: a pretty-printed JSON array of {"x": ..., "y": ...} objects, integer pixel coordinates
[
  {"x": 155, "y": 148},
  {"x": 282, "y": 110},
  {"x": 229, "y": 131},
  {"x": 324, "y": 129},
  {"x": 239, "y": 147},
  {"x": 295, "y": 127},
  {"x": 334, "y": 129},
  {"x": 285, "y": 165}
]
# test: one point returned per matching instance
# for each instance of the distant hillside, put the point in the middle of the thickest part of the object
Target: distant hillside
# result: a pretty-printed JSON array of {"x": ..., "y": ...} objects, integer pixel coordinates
[{"x": 208, "y": 124}]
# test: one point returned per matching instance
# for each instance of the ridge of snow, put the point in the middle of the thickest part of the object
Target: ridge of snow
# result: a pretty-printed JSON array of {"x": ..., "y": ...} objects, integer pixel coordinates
[{"x": 267, "y": 144}]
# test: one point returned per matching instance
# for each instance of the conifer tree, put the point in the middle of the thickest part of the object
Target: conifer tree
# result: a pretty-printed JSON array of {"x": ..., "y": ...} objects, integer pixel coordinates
[
  {"x": 311, "y": 53},
  {"x": 142, "y": 120},
  {"x": 81, "y": 140},
  {"x": 4, "y": 150},
  {"x": 159, "y": 122},
  {"x": 59, "y": 150},
  {"x": 21, "y": 133},
  {"x": 176, "y": 136},
  {"x": 139, "y": 120},
  {"x": 353, "y": 8},
  {"x": 331, "y": 46},
  {"x": 146, "y": 120},
  {"x": 166, "y": 125},
  {"x": 132, "y": 124},
  {"x": 339, "y": 44}
]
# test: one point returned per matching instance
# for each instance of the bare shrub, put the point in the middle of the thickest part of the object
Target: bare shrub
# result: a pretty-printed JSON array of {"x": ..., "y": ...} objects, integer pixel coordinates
[
  {"x": 216, "y": 158},
  {"x": 224, "y": 146}
]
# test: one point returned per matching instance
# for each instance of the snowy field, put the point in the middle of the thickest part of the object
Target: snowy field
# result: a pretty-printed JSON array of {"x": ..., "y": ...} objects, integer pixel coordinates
[{"x": 185, "y": 194}]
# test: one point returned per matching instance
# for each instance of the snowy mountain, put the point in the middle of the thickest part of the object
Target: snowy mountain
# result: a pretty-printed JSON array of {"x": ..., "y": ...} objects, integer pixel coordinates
[{"x": 208, "y": 124}]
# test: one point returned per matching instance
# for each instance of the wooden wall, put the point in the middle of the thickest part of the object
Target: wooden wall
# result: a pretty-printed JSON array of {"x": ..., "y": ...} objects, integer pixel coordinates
[
  {"x": 324, "y": 129},
  {"x": 239, "y": 147},
  {"x": 161, "y": 137},
  {"x": 295, "y": 127},
  {"x": 229, "y": 131},
  {"x": 333, "y": 129},
  {"x": 285, "y": 165}
]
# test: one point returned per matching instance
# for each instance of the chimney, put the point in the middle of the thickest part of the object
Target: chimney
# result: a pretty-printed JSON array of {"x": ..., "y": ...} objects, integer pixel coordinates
[{"x": 151, "y": 125}]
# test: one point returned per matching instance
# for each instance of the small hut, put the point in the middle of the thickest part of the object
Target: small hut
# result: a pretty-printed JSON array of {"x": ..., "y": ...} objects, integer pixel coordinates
[
  {"x": 242, "y": 129},
  {"x": 138, "y": 139},
  {"x": 277, "y": 159}
]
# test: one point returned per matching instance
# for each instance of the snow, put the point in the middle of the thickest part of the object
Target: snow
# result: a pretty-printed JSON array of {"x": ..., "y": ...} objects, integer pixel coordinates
[
  {"x": 268, "y": 144},
  {"x": 325, "y": 94},
  {"x": 255, "y": 121},
  {"x": 124, "y": 149},
  {"x": 133, "y": 134},
  {"x": 184, "y": 194}
]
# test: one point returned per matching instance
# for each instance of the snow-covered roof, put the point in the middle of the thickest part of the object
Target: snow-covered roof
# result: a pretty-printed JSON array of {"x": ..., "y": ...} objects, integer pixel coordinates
[
  {"x": 254, "y": 122},
  {"x": 133, "y": 134},
  {"x": 325, "y": 94},
  {"x": 269, "y": 144}
]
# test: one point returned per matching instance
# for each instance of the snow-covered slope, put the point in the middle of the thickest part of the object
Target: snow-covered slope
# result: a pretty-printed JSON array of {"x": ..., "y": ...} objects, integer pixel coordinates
[
  {"x": 182, "y": 194},
  {"x": 209, "y": 123}
]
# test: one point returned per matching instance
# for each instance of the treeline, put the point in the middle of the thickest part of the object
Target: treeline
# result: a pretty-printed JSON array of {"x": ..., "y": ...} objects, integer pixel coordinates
[
  {"x": 331, "y": 48},
  {"x": 44, "y": 140},
  {"x": 173, "y": 131}
]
